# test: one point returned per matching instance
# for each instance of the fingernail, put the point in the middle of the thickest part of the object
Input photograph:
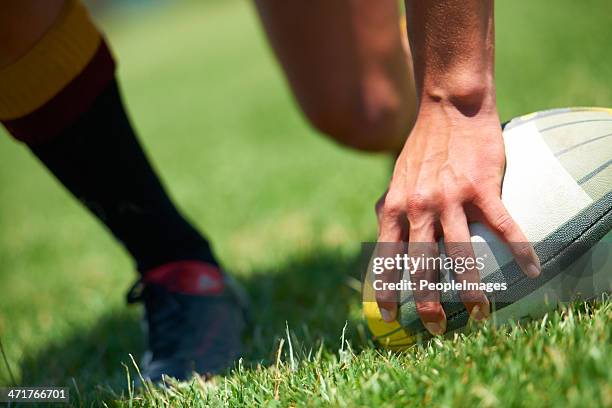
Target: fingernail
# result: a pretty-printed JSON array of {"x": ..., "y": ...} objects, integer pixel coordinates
[
  {"x": 533, "y": 270},
  {"x": 480, "y": 313},
  {"x": 386, "y": 315},
  {"x": 436, "y": 328}
]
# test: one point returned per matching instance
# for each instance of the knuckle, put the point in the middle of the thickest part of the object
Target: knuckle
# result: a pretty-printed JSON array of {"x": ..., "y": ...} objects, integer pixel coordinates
[
  {"x": 450, "y": 198},
  {"x": 469, "y": 190},
  {"x": 392, "y": 205},
  {"x": 391, "y": 210},
  {"x": 417, "y": 203},
  {"x": 504, "y": 223},
  {"x": 484, "y": 195},
  {"x": 452, "y": 190},
  {"x": 457, "y": 251},
  {"x": 419, "y": 274},
  {"x": 457, "y": 186}
]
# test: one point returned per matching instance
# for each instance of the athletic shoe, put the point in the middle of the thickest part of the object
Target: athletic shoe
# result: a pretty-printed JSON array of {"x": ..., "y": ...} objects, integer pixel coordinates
[{"x": 194, "y": 317}]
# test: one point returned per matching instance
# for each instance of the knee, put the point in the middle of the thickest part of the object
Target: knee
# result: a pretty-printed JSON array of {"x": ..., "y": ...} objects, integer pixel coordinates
[{"x": 371, "y": 120}]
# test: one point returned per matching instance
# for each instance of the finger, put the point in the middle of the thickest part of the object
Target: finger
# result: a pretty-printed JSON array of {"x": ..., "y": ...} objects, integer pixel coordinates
[
  {"x": 393, "y": 227},
  {"x": 459, "y": 247},
  {"x": 424, "y": 272},
  {"x": 498, "y": 218}
]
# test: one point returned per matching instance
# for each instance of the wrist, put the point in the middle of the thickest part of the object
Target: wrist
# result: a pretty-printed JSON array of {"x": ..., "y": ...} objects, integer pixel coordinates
[{"x": 469, "y": 95}]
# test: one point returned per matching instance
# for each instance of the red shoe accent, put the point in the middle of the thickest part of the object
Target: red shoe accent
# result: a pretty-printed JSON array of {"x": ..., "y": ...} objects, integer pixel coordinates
[{"x": 188, "y": 277}]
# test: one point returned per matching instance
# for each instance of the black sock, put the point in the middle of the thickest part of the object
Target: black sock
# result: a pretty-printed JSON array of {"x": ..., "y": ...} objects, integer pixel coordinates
[{"x": 99, "y": 159}]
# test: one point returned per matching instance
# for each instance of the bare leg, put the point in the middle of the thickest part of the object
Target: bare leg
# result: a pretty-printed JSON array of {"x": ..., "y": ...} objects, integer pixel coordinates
[{"x": 348, "y": 67}]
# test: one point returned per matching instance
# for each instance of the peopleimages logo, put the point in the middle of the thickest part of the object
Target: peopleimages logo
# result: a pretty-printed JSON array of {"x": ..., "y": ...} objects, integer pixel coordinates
[{"x": 412, "y": 264}]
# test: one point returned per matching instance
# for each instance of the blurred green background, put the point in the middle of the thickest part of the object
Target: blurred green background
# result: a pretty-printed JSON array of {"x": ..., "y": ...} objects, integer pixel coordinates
[{"x": 286, "y": 209}]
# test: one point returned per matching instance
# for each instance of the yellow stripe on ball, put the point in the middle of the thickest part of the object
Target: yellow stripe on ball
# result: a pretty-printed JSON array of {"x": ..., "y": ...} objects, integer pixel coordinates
[{"x": 389, "y": 335}]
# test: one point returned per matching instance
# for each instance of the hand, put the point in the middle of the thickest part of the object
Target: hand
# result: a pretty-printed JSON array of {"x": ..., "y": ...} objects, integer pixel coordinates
[{"x": 448, "y": 174}]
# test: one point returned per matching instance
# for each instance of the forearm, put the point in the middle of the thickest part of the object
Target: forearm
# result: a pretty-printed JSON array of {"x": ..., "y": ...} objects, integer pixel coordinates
[{"x": 452, "y": 42}]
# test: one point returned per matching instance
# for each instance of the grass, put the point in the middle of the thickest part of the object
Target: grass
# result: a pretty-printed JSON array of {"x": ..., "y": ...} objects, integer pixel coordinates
[
  {"x": 559, "y": 361},
  {"x": 287, "y": 211}
]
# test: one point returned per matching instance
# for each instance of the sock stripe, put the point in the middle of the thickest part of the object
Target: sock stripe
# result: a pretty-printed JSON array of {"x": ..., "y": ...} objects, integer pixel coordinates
[
  {"x": 49, "y": 120},
  {"x": 60, "y": 55}
]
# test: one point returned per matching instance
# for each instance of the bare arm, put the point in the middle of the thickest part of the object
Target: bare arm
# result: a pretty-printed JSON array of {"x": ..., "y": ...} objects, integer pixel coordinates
[
  {"x": 450, "y": 170},
  {"x": 453, "y": 51}
]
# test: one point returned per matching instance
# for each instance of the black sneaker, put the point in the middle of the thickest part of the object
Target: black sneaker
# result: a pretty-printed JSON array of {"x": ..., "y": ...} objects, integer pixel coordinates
[{"x": 194, "y": 317}]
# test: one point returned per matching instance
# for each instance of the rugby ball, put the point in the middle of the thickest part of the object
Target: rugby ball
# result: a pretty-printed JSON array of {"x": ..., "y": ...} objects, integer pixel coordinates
[{"x": 558, "y": 187}]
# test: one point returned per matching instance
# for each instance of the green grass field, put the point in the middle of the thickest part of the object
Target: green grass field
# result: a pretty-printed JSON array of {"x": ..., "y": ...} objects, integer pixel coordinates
[{"x": 287, "y": 211}]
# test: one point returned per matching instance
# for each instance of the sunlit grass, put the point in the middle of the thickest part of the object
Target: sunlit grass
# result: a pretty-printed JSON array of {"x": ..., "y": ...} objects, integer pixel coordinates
[{"x": 286, "y": 211}]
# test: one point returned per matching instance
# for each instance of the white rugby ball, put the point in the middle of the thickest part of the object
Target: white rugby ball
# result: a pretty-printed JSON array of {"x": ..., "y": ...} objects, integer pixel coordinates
[{"x": 558, "y": 187}]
